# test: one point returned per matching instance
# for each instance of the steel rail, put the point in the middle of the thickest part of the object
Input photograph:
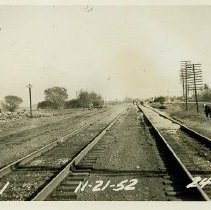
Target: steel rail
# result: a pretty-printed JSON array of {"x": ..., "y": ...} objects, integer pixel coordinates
[
  {"x": 21, "y": 161},
  {"x": 10, "y": 167},
  {"x": 176, "y": 158},
  {"x": 205, "y": 140},
  {"x": 48, "y": 189}
]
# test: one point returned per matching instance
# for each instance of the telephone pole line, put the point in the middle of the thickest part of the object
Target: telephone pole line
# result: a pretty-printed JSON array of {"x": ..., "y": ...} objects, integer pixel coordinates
[
  {"x": 191, "y": 76},
  {"x": 184, "y": 78}
]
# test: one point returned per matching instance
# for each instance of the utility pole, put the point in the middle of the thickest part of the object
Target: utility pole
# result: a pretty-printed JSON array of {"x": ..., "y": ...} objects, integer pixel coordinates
[
  {"x": 184, "y": 78},
  {"x": 194, "y": 73},
  {"x": 195, "y": 81},
  {"x": 186, "y": 83},
  {"x": 30, "y": 99},
  {"x": 191, "y": 76}
]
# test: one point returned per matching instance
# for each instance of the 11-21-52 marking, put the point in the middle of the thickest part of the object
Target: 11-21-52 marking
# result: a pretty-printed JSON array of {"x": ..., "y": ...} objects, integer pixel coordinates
[{"x": 100, "y": 186}]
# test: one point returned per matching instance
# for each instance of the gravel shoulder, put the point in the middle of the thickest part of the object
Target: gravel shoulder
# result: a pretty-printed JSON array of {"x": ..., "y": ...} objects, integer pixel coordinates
[{"x": 196, "y": 121}]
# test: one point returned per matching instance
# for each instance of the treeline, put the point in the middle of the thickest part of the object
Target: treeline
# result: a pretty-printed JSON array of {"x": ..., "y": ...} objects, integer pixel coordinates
[
  {"x": 85, "y": 99},
  {"x": 56, "y": 98}
]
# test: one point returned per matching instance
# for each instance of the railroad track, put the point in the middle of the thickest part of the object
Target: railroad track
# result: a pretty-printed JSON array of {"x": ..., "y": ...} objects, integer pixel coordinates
[
  {"x": 59, "y": 179},
  {"x": 30, "y": 176},
  {"x": 35, "y": 138},
  {"x": 69, "y": 177},
  {"x": 199, "y": 146},
  {"x": 44, "y": 129},
  {"x": 67, "y": 185}
]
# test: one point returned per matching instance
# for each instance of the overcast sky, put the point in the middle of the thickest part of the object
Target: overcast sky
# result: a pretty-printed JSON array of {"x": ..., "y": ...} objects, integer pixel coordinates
[{"x": 117, "y": 51}]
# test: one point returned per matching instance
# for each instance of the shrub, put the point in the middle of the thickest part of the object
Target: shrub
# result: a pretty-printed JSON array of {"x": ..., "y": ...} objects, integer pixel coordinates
[
  {"x": 72, "y": 104},
  {"x": 98, "y": 103},
  {"x": 160, "y": 99},
  {"x": 44, "y": 105}
]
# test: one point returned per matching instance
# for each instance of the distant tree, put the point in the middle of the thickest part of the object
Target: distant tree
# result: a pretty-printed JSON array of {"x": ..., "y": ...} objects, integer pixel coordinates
[
  {"x": 11, "y": 103},
  {"x": 84, "y": 99},
  {"x": 96, "y": 99},
  {"x": 87, "y": 99},
  {"x": 205, "y": 95},
  {"x": 94, "y": 96},
  {"x": 57, "y": 96},
  {"x": 160, "y": 99}
]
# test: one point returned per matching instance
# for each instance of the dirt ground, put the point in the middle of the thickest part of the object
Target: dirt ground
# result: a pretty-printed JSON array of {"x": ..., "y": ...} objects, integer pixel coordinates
[
  {"x": 17, "y": 124},
  {"x": 197, "y": 121}
]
